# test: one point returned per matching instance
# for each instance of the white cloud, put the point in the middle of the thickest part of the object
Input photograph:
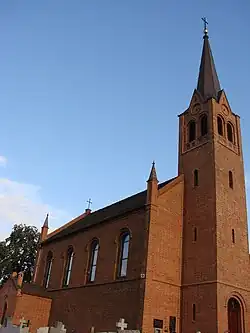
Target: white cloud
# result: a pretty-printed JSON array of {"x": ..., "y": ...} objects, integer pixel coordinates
[
  {"x": 247, "y": 180},
  {"x": 3, "y": 161},
  {"x": 22, "y": 203}
]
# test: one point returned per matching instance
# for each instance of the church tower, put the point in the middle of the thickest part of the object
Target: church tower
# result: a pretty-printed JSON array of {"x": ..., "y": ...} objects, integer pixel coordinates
[{"x": 215, "y": 272}]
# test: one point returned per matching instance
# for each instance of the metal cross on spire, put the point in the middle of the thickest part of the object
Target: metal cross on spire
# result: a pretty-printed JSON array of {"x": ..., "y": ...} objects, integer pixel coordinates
[
  {"x": 89, "y": 203},
  {"x": 205, "y": 25}
]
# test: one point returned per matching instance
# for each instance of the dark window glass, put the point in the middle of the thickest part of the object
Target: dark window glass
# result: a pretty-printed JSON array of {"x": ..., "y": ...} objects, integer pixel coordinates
[
  {"x": 195, "y": 234},
  {"x": 233, "y": 236},
  {"x": 123, "y": 254},
  {"x": 220, "y": 125},
  {"x": 196, "y": 178},
  {"x": 68, "y": 267},
  {"x": 172, "y": 324},
  {"x": 191, "y": 131},
  {"x": 158, "y": 323},
  {"x": 230, "y": 179},
  {"x": 194, "y": 312},
  {"x": 93, "y": 260},
  {"x": 230, "y": 132},
  {"x": 203, "y": 125},
  {"x": 48, "y": 270}
]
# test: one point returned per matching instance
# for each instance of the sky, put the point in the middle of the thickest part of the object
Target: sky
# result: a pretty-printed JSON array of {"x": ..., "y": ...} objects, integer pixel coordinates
[{"x": 90, "y": 91}]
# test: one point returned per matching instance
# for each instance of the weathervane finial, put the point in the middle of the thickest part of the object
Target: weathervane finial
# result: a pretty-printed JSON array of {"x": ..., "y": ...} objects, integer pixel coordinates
[{"x": 205, "y": 26}]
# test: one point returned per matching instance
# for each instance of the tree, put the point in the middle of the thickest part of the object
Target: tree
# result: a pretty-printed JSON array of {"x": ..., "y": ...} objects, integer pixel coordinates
[
  {"x": 3, "y": 254},
  {"x": 18, "y": 252}
]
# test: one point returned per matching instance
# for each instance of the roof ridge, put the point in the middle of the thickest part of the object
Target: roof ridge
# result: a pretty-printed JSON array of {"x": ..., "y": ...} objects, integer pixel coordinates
[{"x": 123, "y": 206}]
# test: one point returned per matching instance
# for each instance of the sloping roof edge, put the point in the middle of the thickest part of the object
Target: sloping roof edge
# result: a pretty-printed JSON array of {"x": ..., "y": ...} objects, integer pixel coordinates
[{"x": 119, "y": 208}]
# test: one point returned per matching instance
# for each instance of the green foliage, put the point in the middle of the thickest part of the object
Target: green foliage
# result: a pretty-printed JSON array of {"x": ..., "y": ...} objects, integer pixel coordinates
[{"x": 18, "y": 252}]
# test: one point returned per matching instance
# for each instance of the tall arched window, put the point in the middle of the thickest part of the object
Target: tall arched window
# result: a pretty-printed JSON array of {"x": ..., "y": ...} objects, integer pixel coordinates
[
  {"x": 234, "y": 316},
  {"x": 68, "y": 266},
  {"x": 48, "y": 268},
  {"x": 230, "y": 134},
  {"x": 94, "y": 248},
  {"x": 230, "y": 179},
  {"x": 191, "y": 131},
  {"x": 123, "y": 254},
  {"x": 203, "y": 124},
  {"x": 3, "y": 319},
  {"x": 220, "y": 125}
]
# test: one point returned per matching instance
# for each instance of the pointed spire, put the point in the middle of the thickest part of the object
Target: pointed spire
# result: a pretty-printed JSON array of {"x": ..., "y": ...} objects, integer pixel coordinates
[
  {"x": 153, "y": 175},
  {"x": 46, "y": 222},
  {"x": 208, "y": 82},
  {"x": 45, "y": 229}
]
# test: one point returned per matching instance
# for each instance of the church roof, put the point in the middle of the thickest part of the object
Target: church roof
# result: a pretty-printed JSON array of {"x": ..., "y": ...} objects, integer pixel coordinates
[
  {"x": 208, "y": 83},
  {"x": 105, "y": 214},
  {"x": 28, "y": 288},
  {"x": 35, "y": 290}
]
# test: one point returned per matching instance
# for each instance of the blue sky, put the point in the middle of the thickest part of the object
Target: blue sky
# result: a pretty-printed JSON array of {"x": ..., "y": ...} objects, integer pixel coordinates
[{"x": 90, "y": 92}]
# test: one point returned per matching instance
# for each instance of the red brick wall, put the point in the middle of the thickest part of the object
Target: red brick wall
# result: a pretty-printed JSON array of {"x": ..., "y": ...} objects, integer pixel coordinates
[
  {"x": 162, "y": 294},
  {"x": 232, "y": 258},
  {"x": 205, "y": 300},
  {"x": 101, "y": 304},
  {"x": 213, "y": 267},
  {"x": 8, "y": 290},
  {"x": 199, "y": 257},
  {"x": 33, "y": 308}
]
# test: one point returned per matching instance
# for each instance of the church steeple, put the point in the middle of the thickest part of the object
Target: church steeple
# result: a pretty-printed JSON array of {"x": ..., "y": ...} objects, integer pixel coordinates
[
  {"x": 215, "y": 249},
  {"x": 208, "y": 82},
  {"x": 152, "y": 186},
  {"x": 153, "y": 175}
]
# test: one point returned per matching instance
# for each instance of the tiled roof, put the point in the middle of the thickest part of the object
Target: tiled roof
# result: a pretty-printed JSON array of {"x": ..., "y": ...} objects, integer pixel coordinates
[
  {"x": 107, "y": 213},
  {"x": 36, "y": 290}
]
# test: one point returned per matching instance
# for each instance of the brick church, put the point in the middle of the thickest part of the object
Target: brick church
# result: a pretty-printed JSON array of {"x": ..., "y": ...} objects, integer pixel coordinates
[{"x": 173, "y": 258}]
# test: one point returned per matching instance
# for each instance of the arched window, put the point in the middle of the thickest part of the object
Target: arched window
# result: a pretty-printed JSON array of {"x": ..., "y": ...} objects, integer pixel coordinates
[
  {"x": 220, "y": 125},
  {"x": 194, "y": 312},
  {"x": 234, "y": 314},
  {"x": 68, "y": 267},
  {"x": 196, "y": 177},
  {"x": 230, "y": 134},
  {"x": 48, "y": 268},
  {"x": 203, "y": 124},
  {"x": 123, "y": 254},
  {"x": 94, "y": 248},
  {"x": 3, "y": 319},
  {"x": 230, "y": 179},
  {"x": 191, "y": 131}
]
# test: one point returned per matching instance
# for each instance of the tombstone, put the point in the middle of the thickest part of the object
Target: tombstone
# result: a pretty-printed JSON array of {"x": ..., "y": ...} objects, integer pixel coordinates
[
  {"x": 58, "y": 329},
  {"x": 120, "y": 325},
  {"x": 43, "y": 330},
  {"x": 9, "y": 328},
  {"x": 129, "y": 331},
  {"x": 24, "y": 325}
]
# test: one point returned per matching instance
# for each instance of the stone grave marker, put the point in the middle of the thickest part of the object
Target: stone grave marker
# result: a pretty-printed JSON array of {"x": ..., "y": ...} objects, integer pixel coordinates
[
  {"x": 58, "y": 329},
  {"x": 43, "y": 330},
  {"x": 10, "y": 328}
]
